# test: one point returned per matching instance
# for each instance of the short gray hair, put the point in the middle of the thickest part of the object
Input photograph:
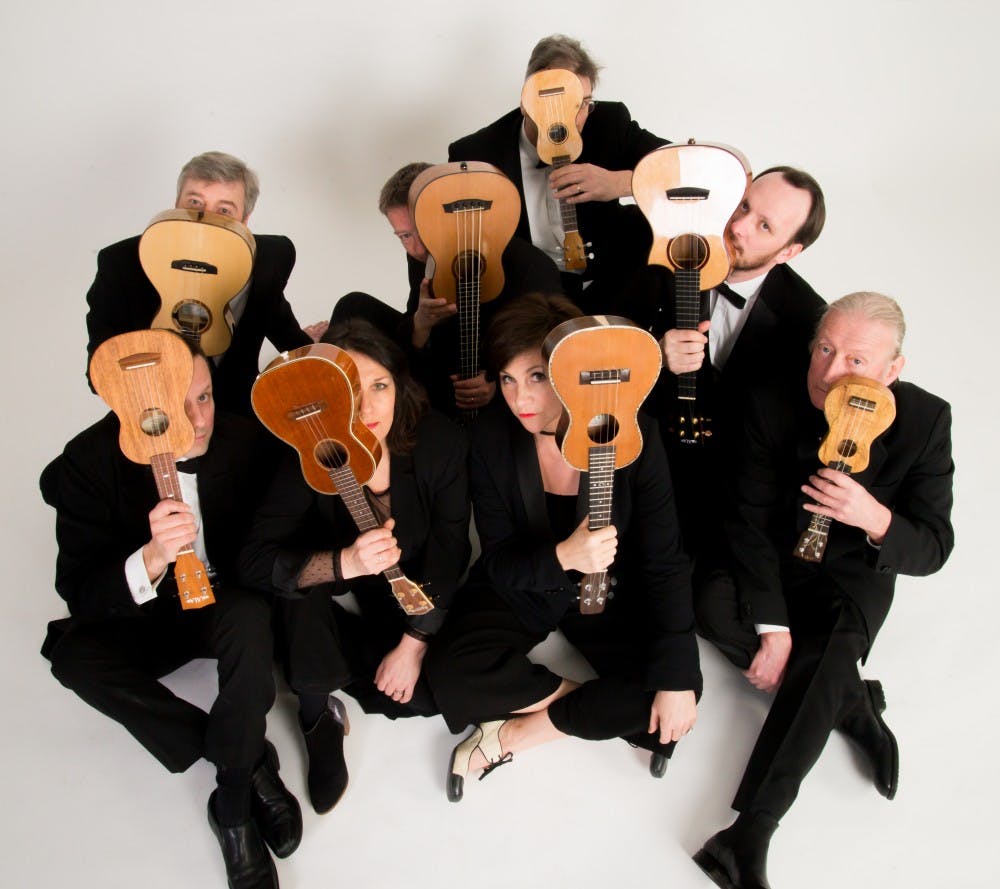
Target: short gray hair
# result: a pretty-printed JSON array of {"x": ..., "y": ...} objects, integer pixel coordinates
[
  {"x": 874, "y": 307},
  {"x": 217, "y": 166},
  {"x": 560, "y": 51}
]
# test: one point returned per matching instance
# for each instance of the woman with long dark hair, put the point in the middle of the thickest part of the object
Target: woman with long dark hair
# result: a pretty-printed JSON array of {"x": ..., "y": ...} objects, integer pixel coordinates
[
  {"x": 531, "y": 514},
  {"x": 305, "y": 547}
]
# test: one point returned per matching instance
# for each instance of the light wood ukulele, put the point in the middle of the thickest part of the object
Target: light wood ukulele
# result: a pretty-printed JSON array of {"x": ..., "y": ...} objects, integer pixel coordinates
[
  {"x": 144, "y": 377},
  {"x": 465, "y": 213},
  {"x": 552, "y": 98},
  {"x": 688, "y": 193},
  {"x": 858, "y": 411},
  {"x": 198, "y": 262},
  {"x": 602, "y": 368},
  {"x": 308, "y": 398}
]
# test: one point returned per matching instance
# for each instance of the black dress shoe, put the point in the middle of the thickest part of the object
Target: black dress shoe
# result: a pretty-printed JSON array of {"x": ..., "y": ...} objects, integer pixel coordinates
[
  {"x": 248, "y": 863},
  {"x": 327, "y": 767},
  {"x": 276, "y": 811},
  {"x": 736, "y": 858},
  {"x": 865, "y": 726},
  {"x": 658, "y": 764}
]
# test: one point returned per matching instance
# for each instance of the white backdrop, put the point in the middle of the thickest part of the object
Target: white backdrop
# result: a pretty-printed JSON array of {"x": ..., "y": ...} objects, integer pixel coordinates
[{"x": 889, "y": 103}]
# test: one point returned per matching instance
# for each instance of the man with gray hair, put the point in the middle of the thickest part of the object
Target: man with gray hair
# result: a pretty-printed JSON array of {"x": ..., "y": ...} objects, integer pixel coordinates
[
  {"x": 613, "y": 144},
  {"x": 798, "y": 627},
  {"x": 122, "y": 298}
]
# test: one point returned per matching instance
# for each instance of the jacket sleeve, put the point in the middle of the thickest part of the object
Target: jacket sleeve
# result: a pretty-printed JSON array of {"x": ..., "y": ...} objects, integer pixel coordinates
[{"x": 282, "y": 329}]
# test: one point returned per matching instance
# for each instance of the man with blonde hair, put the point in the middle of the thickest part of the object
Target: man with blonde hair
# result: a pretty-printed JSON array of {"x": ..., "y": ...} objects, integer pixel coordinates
[{"x": 798, "y": 628}]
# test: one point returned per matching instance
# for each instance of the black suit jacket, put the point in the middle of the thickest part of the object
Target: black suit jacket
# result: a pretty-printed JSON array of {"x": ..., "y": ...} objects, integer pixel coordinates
[
  {"x": 122, "y": 299},
  {"x": 103, "y": 500},
  {"x": 429, "y": 501},
  {"x": 518, "y": 546},
  {"x": 611, "y": 139},
  {"x": 910, "y": 472}
]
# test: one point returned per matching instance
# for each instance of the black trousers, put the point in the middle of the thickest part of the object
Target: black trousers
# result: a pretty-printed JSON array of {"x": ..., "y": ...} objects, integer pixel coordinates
[
  {"x": 114, "y": 665},
  {"x": 479, "y": 670},
  {"x": 821, "y": 683},
  {"x": 327, "y": 648}
]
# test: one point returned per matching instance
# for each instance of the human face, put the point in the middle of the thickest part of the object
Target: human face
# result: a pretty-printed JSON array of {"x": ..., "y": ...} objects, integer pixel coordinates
[
  {"x": 763, "y": 226},
  {"x": 404, "y": 229},
  {"x": 199, "y": 405},
  {"x": 378, "y": 395},
  {"x": 583, "y": 112},
  {"x": 850, "y": 344},
  {"x": 226, "y": 198},
  {"x": 526, "y": 389}
]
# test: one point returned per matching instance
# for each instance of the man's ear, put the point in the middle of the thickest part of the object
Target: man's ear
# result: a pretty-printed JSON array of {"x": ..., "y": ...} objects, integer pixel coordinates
[{"x": 789, "y": 251}]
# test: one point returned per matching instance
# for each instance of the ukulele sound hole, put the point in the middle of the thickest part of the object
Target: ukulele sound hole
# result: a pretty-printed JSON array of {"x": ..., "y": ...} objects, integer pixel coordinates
[
  {"x": 602, "y": 429},
  {"x": 192, "y": 316},
  {"x": 558, "y": 133},
  {"x": 847, "y": 448},
  {"x": 154, "y": 421},
  {"x": 468, "y": 266},
  {"x": 330, "y": 454},
  {"x": 688, "y": 252}
]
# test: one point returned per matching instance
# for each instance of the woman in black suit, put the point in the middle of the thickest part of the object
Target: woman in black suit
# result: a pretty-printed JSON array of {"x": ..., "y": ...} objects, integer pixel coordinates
[
  {"x": 530, "y": 509},
  {"x": 306, "y": 547}
]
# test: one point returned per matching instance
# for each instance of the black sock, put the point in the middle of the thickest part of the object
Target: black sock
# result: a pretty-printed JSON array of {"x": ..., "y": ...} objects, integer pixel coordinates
[
  {"x": 311, "y": 708},
  {"x": 232, "y": 798}
]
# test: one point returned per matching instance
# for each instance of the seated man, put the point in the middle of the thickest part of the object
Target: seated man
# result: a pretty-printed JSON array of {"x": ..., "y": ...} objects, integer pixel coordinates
[
  {"x": 428, "y": 329},
  {"x": 122, "y": 298},
  {"x": 613, "y": 144},
  {"x": 127, "y": 628},
  {"x": 756, "y": 329},
  {"x": 798, "y": 628}
]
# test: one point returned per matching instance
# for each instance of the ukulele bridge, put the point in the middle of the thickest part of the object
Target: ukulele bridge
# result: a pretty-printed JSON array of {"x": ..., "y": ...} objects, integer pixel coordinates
[
  {"x": 305, "y": 411},
  {"x": 467, "y": 205},
  {"x": 604, "y": 377}
]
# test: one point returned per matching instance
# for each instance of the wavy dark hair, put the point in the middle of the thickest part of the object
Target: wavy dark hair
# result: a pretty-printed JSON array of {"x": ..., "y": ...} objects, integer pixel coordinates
[
  {"x": 358, "y": 335},
  {"x": 523, "y": 324}
]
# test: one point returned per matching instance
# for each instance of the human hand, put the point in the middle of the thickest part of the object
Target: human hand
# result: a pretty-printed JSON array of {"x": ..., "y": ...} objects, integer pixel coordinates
[
  {"x": 473, "y": 393},
  {"x": 315, "y": 331},
  {"x": 767, "y": 669},
  {"x": 673, "y": 715},
  {"x": 588, "y": 551},
  {"x": 172, "y": 527},
  {"x": 577, "y": 183},
  {"x": 430, "y": 311},
  {"x": 684, "y": 350},
  {"x": 371, "y": 553},
  {"x": 840, "y": 497}
]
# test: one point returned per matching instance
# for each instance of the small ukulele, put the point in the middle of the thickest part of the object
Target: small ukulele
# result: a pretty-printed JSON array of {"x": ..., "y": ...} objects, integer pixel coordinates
[
  {"x": 552, "y": 98},
  {"x": 144, "y": 377},
  {"x": 688, "y": 193},
  {"x": 198, "y": 262},
  {"x": 308, "y": 398},
  {"x": 602, "y": 368},
  {"x": 858, "y": 411},
  {"x": 465, "y": 213}
]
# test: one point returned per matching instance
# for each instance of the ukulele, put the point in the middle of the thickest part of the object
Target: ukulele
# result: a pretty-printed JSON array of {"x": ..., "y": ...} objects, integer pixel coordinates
[
  {"x": 552, "y": 98},
  {"x": 198, "y": 262},
  {"x": 688, "y": 193},
  {"x": 465, "y": 213},
  {"x": 858, "y": 411},
  {"x": 602, "y": 368},
  {"x": 308, "y": 398},
  {"x": 144, "y": 377}
]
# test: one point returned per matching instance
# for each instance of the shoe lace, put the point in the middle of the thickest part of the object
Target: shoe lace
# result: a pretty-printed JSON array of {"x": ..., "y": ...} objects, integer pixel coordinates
[{"x": 506, "y": 758}]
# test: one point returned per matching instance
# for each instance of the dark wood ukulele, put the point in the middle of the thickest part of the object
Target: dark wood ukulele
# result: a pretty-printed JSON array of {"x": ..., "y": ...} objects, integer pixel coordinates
[
  {"x": 144, "y": 377},
  {"x": 602, "y": 368},
  {"x": 465, "y": 213},
  {"x": 309, "y": 399},
  {"x": 197, "y": 261},
  {"x": 858, "y": 411},
  {"x": 552, "y": 98},
  {"x": 688, "y": 193}
]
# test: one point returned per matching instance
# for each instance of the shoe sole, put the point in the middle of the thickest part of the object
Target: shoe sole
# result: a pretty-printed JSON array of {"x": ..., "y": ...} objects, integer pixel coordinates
[{"x": 712, "y": 869}]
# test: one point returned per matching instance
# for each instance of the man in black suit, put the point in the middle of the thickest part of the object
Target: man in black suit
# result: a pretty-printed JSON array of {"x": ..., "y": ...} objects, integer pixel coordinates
[
  {"x": 799, "y": 628},
  {"x": 613, "y": 144},
  {"x": 756, "y": 329},
  {"x": 428, "y": 328},
  {"x": 127, "y": 627},
  {"x": 122, "y": 298}
]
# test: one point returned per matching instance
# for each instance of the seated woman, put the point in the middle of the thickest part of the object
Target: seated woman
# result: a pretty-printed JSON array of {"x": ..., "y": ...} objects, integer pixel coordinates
[
  {"x": 530, "y": 510},
  {"x": 305, "y": 546}
]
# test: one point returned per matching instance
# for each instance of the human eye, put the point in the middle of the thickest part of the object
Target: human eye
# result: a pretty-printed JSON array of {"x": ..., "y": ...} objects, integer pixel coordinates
[
  {"x": 506, "y": 379},
  {"x": 205, "y": 398},
  {"x": 539, "y": 377}
]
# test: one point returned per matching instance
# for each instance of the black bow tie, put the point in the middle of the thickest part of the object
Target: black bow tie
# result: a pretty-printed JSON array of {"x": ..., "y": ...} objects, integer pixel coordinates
[
  {"x": 190, "y": 466},
  {"x": 727, "y": 293}
]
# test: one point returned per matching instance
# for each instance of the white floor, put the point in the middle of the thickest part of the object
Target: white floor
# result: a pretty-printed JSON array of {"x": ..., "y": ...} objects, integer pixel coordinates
[{"x": 86, "y": 806}]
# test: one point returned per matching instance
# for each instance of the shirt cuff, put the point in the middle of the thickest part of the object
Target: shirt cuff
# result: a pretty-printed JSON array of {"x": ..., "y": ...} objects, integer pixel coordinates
[
  {"x": 140, "y": 586},
  {"x": 760, "y": 629}
]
